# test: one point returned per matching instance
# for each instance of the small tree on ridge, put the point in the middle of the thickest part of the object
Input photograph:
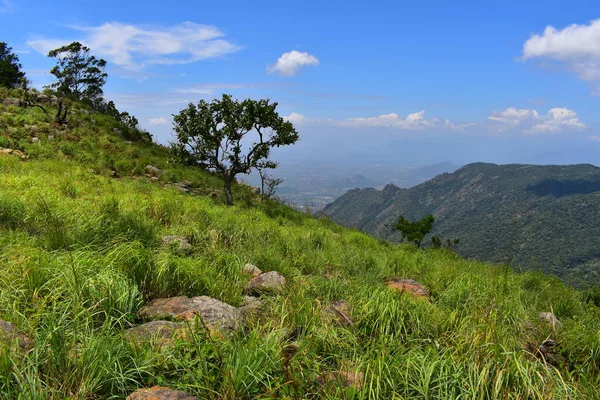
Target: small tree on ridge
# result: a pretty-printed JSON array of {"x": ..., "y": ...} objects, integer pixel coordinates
[
  {"x": 214, "y": 135},
  {"x": 415, "y": 231}
]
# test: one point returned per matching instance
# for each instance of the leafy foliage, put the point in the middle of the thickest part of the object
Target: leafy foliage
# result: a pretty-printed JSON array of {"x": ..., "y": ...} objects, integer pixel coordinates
[
  {"x": 11, "y": 75},
  {"x": 212, "y": 135},
  {"x": 415, "y": 231},
  {"x": 79, "y": 74}
]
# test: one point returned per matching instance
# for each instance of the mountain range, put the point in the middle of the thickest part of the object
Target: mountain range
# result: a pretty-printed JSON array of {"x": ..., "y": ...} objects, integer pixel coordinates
[{"x": 533, "y": 217}]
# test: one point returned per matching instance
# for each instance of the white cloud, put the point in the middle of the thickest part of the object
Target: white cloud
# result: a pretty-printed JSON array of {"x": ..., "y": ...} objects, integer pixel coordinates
[
  {"x": 289, "y": 63},
  {"x": 6, "y": 6},
  {"x": 577, "y": 46},
  {"x": 412, "y": 121},
  {"x": 134, "y": 47},
  {"x": 556, "y": 120},
  {"x": 211, "y": 89},
  {"x": 595, "y": 138},
  {"x": 295, "y": 118},
  {"x": 158, "y": 121}
]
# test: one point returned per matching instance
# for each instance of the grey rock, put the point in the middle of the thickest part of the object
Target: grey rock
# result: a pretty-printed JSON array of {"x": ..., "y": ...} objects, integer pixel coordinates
[
  {"x": 250, "y": 305},
  {"x": 35, "y": 140},
  {"x": 12, "y": 101},
  {"x": 9, "y": 334},
  {"x": 162, "y": 332},
  {"x": 551, "y": 319},
  {"x": 160, "y": 393},
  {"x": 255, "y": 190},
  {"x": 219, "y": 317},
  {"x": 179, "y": 243},
  {"x": 251, "y": 270},
  {"x": 153, "y": 171},
  {"x": 268, "y": 283},
  {"x": 50, "y": 137}
]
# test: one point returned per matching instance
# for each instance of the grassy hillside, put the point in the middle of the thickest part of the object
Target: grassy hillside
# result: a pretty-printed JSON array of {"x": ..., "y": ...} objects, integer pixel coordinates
[
  {"x": 81, "y": 253},
  {"x": 539, "y": 217}
]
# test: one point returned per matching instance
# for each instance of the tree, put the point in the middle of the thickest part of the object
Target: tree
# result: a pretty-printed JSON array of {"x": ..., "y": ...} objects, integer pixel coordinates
[
  {"x": 10, "y": 69},
  {"x": 79, "y": 75},
  {"x": 439, "y": 243},
  {"x": 415, "y": 231},
  {"x": 268, "y": 183},
  {"x": 214, "y": 135}
]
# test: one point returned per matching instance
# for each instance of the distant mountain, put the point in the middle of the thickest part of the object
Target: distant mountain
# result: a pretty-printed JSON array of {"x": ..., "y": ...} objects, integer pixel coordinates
[
  {"x": 540, "y": 217},
  {"x": 356, "y": 181}
]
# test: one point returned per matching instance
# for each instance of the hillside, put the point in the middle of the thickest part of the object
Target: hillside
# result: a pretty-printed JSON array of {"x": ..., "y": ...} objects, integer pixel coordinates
[
  {"x": 91, "y": 241},
  {"x": 540, "y": 217}
]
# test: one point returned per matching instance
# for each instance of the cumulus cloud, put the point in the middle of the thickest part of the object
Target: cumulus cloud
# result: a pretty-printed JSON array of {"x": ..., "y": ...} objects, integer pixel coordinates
[
  {"x": 595, "y": 138},
  {"x": 158, "y": 121},
  {"x": 576, "y": 46},
  {"x": 414, "y": 121},
  {"x": 295, "y": 118},
  {"x": 556, "y": 120},
  {"x": 289, "y": 63},
  {"x": 134, "y": 47}
]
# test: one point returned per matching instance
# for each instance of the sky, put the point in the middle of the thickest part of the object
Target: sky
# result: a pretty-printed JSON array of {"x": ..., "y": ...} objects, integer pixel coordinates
[{"x": 413, "y": 82}]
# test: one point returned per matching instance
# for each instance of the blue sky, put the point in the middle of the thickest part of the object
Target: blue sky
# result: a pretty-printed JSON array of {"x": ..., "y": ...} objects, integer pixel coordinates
[{"x": 520, "y": 77}]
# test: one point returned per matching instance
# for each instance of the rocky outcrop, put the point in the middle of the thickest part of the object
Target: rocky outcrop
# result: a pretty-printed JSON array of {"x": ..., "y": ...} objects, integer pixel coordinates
[
  {"x": 15, "y": 102},
  {"x": 162, "y": 332},
  {"x": 216, "y": 315},
  {"x": 179, "y": 243},
  {"x": 16, "y": 153},
  {"x": 268, "y": 283},
  {"x": 10, "y": 335},
  {"x": 153, "y": 171},
  {"x": 251, "y": 270},
  {"x": 409, "y": 286},
  {"x": 160, "y": 393},
  {"x": 550, "y": 319}
]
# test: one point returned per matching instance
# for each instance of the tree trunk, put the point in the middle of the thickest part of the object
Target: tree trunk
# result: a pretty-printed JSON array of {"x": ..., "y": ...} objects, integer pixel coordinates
[{"x": 227, "y": 190}]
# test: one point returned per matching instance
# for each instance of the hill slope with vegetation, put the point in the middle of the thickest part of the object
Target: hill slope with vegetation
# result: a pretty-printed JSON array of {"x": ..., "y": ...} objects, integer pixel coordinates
[
  {"x": 535, "y": 217},
  {"x": 89, "y": 237}
]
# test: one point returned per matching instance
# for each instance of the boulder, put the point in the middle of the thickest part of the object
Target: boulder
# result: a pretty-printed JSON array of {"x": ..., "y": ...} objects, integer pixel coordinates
[
  {"x": 160, "y": 393},
  {"x": 162, "y": 332},
  {"x": 153, "y": 171},
  {"x": 179, "y": 243},
  {"x": 251, "y": 270},
  {"x": 35, "y": 140},
  {"x": 12, "y": 101},
  {"x": 255, "y": 190},
  {"x": 250, "y": 305},
  {"x": 551, "y": 319},
  {"x": 268, "y": 283},
  {"x": 409, "y": 286},
  {"x": 339, "y": 311},
  {"x": 9, "y": 334},
  {"x": 216, "y": 315},
  {"x": 342, "y": 378}
]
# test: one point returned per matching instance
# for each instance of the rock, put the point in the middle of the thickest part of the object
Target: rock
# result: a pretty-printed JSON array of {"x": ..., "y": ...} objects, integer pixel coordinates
[
  {"x": 342, "y": 379},
  {"x": 84, "y": 111},
  {"x": 179, "y": 243},
  {"x": 9, "y": 334},
  {"x": 16, "y": 153},
  {"x": 250, "y": 305},
  {"x": 12, "y": 101},
  {"x": 50, "y": 137},
  {"x": 551, "y": 319},
  {"x": 339, "y": 311},
  {"x": 271, "y": 282},
  {"x": 216, "y": 315},
  {"x": 154, "y": 178},
  {"x": 35, "y": 140},
  {"x": 162, "y": 332},
  {"x": 153, "y": 171},
  {"x": 30, "y": 128},
  {"x": 160, "y": 393},
  {"x": 546, "y": 352},
  {"x": 251, "y": 270},
  {"x": 409, "y": 286},
  {"x": 255, "y": 190}
]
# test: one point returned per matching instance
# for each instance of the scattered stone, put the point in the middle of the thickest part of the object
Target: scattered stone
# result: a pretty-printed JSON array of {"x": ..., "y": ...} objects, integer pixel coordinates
[
  {"x": 551, "y": 319},
  {"x": 154, "y": 178},
  {"x": 342, "y": 378},
  {"x": 250, "y": 305},
  {"x": 546, "y": 352},
  {"x": 91, "y": 171},
  {"x": 16, "y": 153},
  {"x": 251, "y": 270},
  {"x": 31, "y": 128},
  {"x": 84, "y": 111},
  {"x": 128, "y": 142},
  {"x": 160, "y": 393},
  {"x": 162, "y": 332},
  {"x": 10, "y": 334},
  {"x": 50, "y": 137},
  {"x": 339, "y": 311},
  {"x": 268, "y": 283},
  {"x": 12, "y": 101},
  {"x": 35, "y": 140},
  {"x": 255, "y": 190},
  {"x": 216, "y": 315},
  {"x": 180, "y": 243},
  {"x": 409, "y": 286},
  {"x": 153, "y": 171}
]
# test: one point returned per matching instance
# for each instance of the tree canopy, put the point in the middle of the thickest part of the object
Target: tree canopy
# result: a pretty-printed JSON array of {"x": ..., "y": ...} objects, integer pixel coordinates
[
  {"x": 79, "y": 74},
  {"x": 415, "y": 231},
  {"x": 10, "y": 68},
  {"x": 229, "y": 136}
]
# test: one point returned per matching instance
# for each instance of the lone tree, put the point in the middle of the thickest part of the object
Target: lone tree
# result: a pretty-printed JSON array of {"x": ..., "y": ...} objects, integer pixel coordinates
[
  {"x": 214, "y": 136},
  {"x": 268, "y": 183},
  {"x": 79, "y": 75},
  {"x": 415, "y": 231},
  {"x": 11, "y": 75}
]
